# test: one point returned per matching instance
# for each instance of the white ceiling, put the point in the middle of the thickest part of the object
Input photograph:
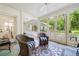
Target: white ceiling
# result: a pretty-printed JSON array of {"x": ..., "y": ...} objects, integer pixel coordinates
[{"x": 37, "y": 9}]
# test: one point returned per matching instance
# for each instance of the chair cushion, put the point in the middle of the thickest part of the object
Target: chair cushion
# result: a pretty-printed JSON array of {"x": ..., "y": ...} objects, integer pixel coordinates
[
  {"x": 43, "y": 40},
  {"x": 31, "y": 44}
]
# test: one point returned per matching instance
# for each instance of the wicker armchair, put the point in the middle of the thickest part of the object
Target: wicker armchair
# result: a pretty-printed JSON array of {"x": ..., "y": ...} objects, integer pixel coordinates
[
  {"x": 43, "y": 39},
  {"x": 26, "y": 45}
]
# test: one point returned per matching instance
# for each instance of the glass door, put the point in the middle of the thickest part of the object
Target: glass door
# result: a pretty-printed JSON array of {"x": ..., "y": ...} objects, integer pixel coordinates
[
  {"x": 52, "y": 28},
  {"x": 73, "y": 32},
  {"x": 60, "y": 31}
]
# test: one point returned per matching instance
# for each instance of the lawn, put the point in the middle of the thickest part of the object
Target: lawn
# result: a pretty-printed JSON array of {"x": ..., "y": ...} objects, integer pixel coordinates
[{"x": 75, "y": 32}]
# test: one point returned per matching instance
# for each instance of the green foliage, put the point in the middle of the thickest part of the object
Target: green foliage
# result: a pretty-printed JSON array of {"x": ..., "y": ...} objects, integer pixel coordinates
[
  {"x": 51, "y": 24},
  {"x": 60, "y": 23},
  {"x": 74, "y": 17}
]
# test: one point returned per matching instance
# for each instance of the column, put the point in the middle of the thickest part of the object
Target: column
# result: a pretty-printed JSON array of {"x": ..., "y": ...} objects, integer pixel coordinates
[{"x": 66, "y": 28}]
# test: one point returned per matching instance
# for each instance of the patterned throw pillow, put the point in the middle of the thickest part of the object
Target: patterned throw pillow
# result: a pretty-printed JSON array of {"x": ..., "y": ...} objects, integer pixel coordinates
[
  {"x": 43, "y": 38},
  {"x": 31, "y": 44}
]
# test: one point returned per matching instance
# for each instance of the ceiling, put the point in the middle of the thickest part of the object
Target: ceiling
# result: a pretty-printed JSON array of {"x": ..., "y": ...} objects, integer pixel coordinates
[{"x": 38, "y": 9}]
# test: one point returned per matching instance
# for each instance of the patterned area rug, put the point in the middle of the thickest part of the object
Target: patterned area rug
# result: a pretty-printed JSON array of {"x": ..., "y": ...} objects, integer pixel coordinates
[
  {"x": 52, "y": 50},
  {"x": 56, "y": 51},
  {"x": 45, "y": 52}
]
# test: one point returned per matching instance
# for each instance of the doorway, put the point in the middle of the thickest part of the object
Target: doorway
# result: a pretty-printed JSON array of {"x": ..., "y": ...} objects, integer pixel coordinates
[{"x": 7, "y": 26}]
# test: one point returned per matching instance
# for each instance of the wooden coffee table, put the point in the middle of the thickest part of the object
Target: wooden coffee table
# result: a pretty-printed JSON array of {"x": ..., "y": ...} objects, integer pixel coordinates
[{"x": 4, "y": 43}]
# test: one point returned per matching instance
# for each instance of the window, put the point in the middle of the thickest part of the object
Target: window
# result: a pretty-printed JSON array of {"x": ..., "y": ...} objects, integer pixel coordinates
[
  {"x": 60, "y": 24},
  {"x": 8, "y": 26}
]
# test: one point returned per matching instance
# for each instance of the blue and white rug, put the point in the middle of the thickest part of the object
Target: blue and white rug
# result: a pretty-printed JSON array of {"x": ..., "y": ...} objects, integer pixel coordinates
[{"x": 58, "y": 49}]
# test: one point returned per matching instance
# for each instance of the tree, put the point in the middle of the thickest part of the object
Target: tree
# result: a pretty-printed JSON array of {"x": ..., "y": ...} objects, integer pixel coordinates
[
  {"x": 51, "y": 24},
  {"x": 60, "y": 23},
  {"x": 74, "y": 17}
]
